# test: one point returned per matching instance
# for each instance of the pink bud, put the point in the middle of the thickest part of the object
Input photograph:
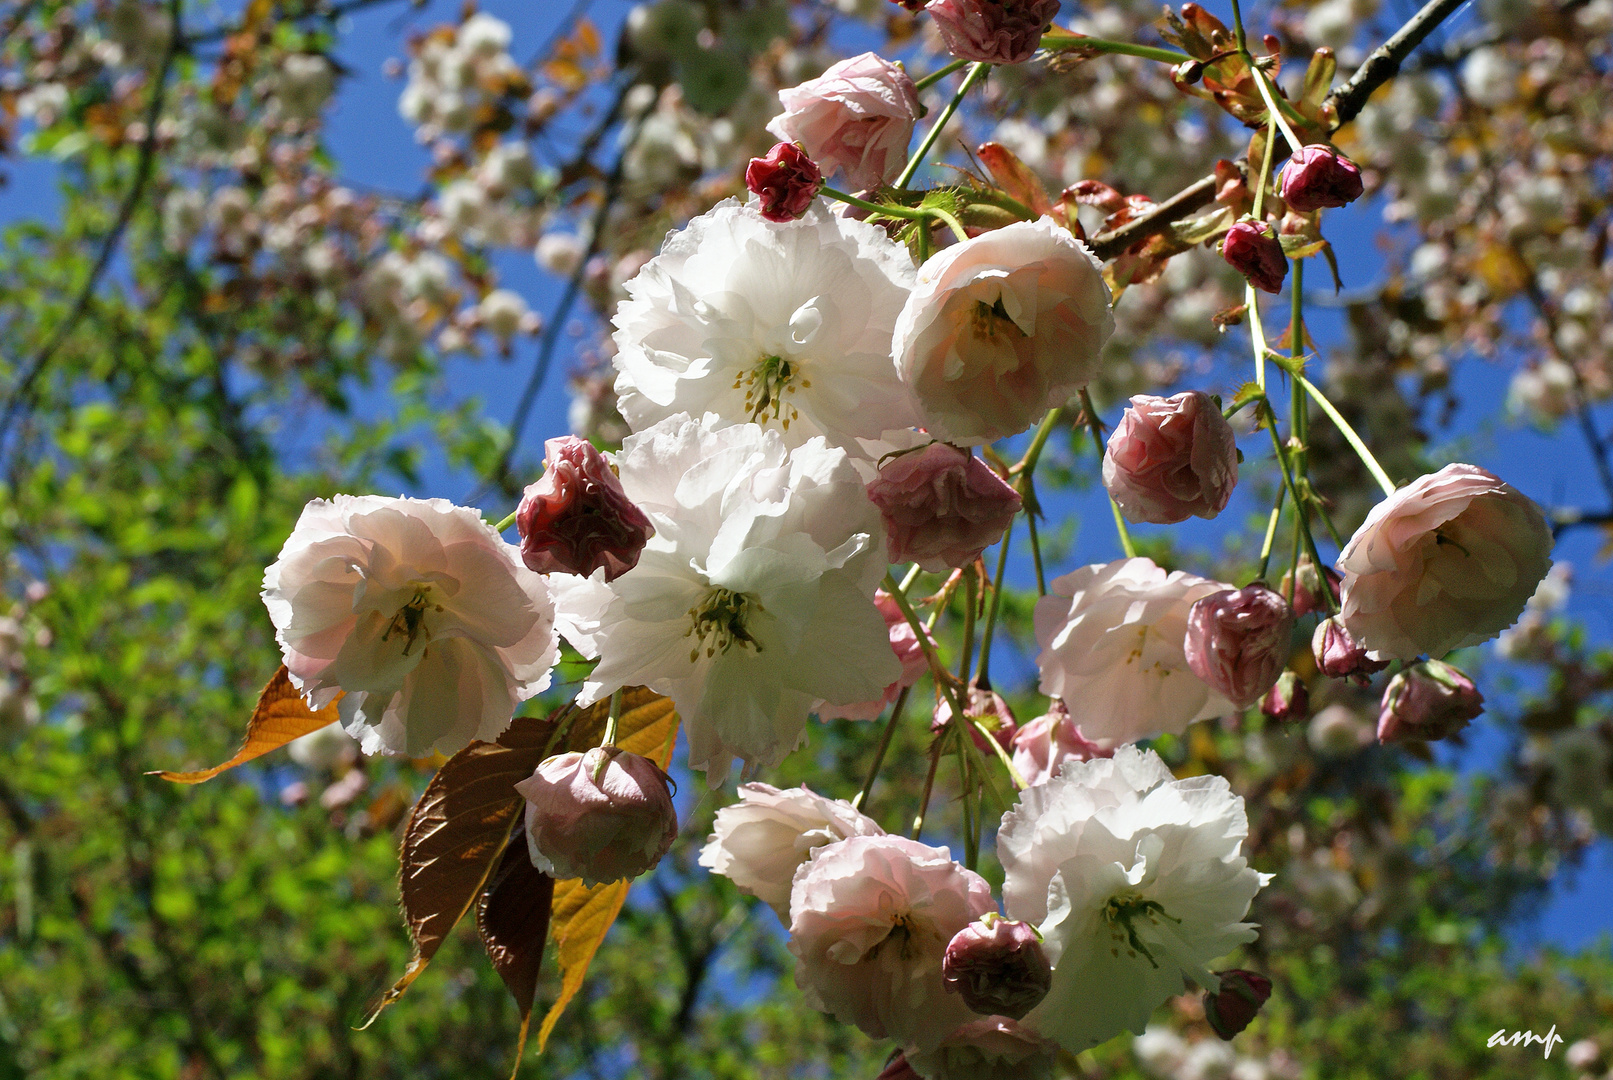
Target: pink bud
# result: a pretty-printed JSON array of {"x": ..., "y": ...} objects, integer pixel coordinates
[
  {"x": 1042, "y": 746},
  {"x": 1238, "y": 641},
  {"x": 1254, "y": 251},
  {"x": 577, "y": 518},
  {"x": 987, "y": 707},
  {"x": 1171, "y": 458},
  {"x": 1308, "y": 588},
  {"x": 1238, "y": 1002},
  {"x": 993, "y": 31},
  {"x": 1340, "y": 656},
  {"x": 1288, "y": 699},
  {"x": 1320, "y": 176},
  {"x": 855, "y": 119},
  {"x": 600, "y": 816},
  {"x": 1427, "y": 702},
  {"x": 786, "y": 181},
  {"x": 942, "y": 507},
  {"x": 998, "y": 967}
]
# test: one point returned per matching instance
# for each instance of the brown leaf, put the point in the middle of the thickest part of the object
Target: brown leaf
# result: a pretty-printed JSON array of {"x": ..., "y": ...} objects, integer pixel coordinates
[
  {"x": 281, "y": 715},
  {"x": 513, "y": 918},
  {"x": 455, "y": 834},
  {"x": 648, "y": 726},
  {"x": 1015, "y": 178}
]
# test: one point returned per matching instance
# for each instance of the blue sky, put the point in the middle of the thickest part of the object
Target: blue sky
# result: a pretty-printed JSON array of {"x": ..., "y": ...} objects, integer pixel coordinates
[{"x": 376, "y": 149}]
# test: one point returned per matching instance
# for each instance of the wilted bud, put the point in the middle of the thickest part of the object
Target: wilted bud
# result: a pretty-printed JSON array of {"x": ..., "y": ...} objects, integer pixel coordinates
[
  {"x": 1320, "y": 176},
  {"x": 577, "y": 518},
  {"x": 1252, "y": 248},
  {"x": 600, "y": 816},
  {"x": 1307, "y": 587},
  {"x": 1287, "y": 699},
  {"x": 993, "y": 31},
  {"x": 1427, "y": 702},
  {"x": 990, "y": 710},
  {"x": 786, "y": 181},
  {"x": 1340, "y": 656},
  {"x": 997, "y": 965},
  {"x": 1238, "y": 641},
  {"x": 942, "y": 507},
  {"x": 1238, "y": 1002}
]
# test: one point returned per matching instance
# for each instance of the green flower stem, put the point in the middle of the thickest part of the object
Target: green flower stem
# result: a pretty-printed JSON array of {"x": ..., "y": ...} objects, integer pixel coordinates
[
  {"x": 506, "y": 523},
  {"x": 1036, "y": 555},
  {"x": 936, "y": 76},
  {"x": 1273, "y": 110},
  {"x": 943, "y": 679},
  {"x": 1002, "y": 201},
  {"x": 951, "y": 222},
  {"x": 913, "y": 573},
  {"x": 910, "y": 213},
  {"x": 976, "y": 73},
  {"x": 1059, "y": 43},
  {"x": 884, "y": 744},
  {"x": 1293, "y": 492},
  {"x": 1237, "y": 30},
  {"x": 1265, "y": 171},
  {"x": 936, "y": 750},
  {"x": 1350, "y": 436},
  {"x": 971, "y": 592},
  {"x": 612, "y": 719},
  {"x": 1097, "y": 440},
  {"x": 1257, "y": 334},
  {"x": 1271, "y": 532},
  {"x": 971, "y": 841},
  {"x": 996, "y": 603}
]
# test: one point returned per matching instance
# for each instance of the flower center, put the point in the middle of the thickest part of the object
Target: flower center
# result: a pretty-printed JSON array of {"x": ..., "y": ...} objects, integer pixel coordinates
[
  {"x": 1122, "y": 913},
  {"x": 718, "y": 623},
  {"x": 766, "y": 386},
  {"x": 990, "y": 320},
  {"x": 410, "y": 619}
]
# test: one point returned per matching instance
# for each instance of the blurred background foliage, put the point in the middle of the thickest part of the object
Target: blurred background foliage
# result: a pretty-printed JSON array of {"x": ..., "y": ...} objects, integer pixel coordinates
[{"x": 210, "y": 326}]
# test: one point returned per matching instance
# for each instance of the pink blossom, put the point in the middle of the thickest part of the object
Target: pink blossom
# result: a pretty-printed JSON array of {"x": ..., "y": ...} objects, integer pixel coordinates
[
  {"x": 1171, "y": 458},
  {"x": 870, "y": 920},
  {"x": 997, "y": 966},
  {"x": 786, "y": 181},
  {"x": 1446, "y": 562},
  {"x": 905, "y": 644},
  {"x": 942, "y": 507},
  {"x": 856, "y": 118},
  {"x": 987, "y": 707},
  {"x": 1254, "y": 251},
  {"x": 1288, "y": 699},
  {"x": 1239, "y": 640},
  {"x": 988, "y": 1048},
  {"x": 577, "y": 519},
  {"x": 1427, "y": 702},
  {"x": 1042, "y": 746},
  {"x": 1320, "y": 176},
  {"x": 1307, "y": 589},
  {"x": 600, "y": 816},
  {"x": 993, "y": 31}
]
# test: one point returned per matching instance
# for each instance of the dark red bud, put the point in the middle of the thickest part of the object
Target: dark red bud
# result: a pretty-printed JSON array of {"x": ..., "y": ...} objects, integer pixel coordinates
[
  {"x": 1238, "y": 1002},
  {"x": 1253, "y": 250},
  {"x": 786, "y": 181},
  {"x": 1320, "y": 176},
  {"x": 998, "y": 967},
  {"x": 1288, "y": 700},
  {"x": 577, "y": 518}
]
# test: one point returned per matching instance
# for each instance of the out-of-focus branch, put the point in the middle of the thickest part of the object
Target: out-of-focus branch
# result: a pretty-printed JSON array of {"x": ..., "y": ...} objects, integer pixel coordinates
[
  {"x": 329, "y": 12},
  {"x": 1348, "y": 99},
  {"x": 114, "y": 237},
  {"x": 1564, "y": 518}
]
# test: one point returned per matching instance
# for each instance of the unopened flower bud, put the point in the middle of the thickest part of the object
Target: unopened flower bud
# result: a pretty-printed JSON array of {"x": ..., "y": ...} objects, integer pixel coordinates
[
  {"x": 942, "y": 506},
  {"x": 786, "y": 181},
  {"x": 1307, "y": 587},
  {"x": 1340, "y": 656},
  {"x": 993, "y": 31},
  {"x": 1237, "y": 1003},
  {"x": 1288, "y": 699},
  {"x": 577, "y": 518},
  {"x": 992, "y": 712},
  {"x": 997, "y": 965},
  {"x": 600, "y": 816},
  {"x": 1320, "y": 176},
  {"x": 1238, "y": 641},
  {"x": 1427, "y": 702},
  {"x": 1254, "y": 251},
  {"x": 1171, "y": 458}
]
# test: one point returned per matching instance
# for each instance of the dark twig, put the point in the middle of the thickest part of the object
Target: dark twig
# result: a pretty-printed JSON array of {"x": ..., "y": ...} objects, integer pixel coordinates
[
  {"x": 1348, "y": 99},
  {"x": 109, "y": 244},
  {"x": 329, "y": 14}
]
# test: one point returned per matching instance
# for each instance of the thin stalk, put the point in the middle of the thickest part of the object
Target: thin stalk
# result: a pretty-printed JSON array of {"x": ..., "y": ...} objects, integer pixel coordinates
[
  {"x": 1095, "y": 427},
  {"x": 971, "y": 844},
  {"x": 976, "y": 73},
  {"x": 1237, "y": 30},
  {"x": 996, "y": 603},
  {"x": 936, "y": 751},
  {"x": 971, "y": 593},
  {"x": 1257, "y": 334},
  {"x": 1288, "y": 478},
  {"x": 909, "y": 213},
  {"x": 1293, "y": 558},
  {"x": 1033, "y": 452},
  {"x": 1002, "y": 756},
  {"x": 506, "y": 523},
  {"x": 936, "y": 76},
  {"x": 1036, "y": 555},
  {"x": 1350, "y": 436},
  {"x": 612, "y": 719},
  {"x": 879, "y": 751},
  {"x": 1271, "y": 532},
  {"x": 1104, "y": 45},
  {"x": 937, "y": 669},
  {"x": 1265, "y": 171},
  {"x": 913, "y": 573},
  {"x": 951, "y": 222},
  {"x": 1276, "y": 113}
]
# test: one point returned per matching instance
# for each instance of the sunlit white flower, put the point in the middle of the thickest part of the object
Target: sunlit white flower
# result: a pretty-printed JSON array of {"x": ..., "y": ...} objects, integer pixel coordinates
[
  {"x": 1136, "y": 880},
  {"x": 784, "y": 324},
  {"x": 1112, "y": 640},
  {"x": 419, "y": 612},
  {"x": 753, "y": 599},
  {"x": 870, "y": 920},
  {"x": 760, "y": 841}
]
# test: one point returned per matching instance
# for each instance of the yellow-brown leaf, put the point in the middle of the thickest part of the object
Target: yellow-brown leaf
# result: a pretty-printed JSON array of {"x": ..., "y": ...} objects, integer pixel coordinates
[{"x": 281, "y": 715}]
